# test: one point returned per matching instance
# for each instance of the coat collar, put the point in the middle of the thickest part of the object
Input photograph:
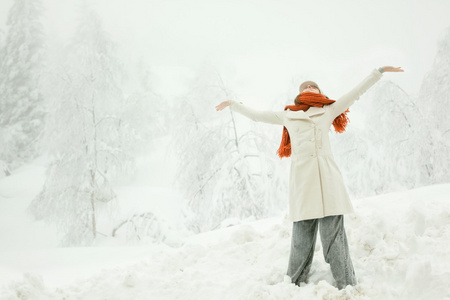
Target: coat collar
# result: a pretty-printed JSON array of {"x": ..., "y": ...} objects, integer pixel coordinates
[
  {"x": 312, "y": 111},
  {"x": 296, "y": 114}
]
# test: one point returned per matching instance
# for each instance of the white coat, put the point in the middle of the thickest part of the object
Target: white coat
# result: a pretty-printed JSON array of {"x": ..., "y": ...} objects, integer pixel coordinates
[{"x": 316, "y": 187}]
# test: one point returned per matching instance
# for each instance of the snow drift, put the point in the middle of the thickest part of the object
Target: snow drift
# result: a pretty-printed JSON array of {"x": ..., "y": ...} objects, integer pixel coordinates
[{"x": 399, "y": 245}]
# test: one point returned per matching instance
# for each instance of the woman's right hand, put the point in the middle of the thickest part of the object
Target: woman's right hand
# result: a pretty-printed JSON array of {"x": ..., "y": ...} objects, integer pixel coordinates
[
  {"x": 392, "y": 69},
  {"x": 223, "y": 105}
]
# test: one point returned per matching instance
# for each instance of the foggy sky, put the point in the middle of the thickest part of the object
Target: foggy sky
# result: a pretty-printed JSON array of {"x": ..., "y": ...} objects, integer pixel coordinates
[{"x": 262, "y": 48}]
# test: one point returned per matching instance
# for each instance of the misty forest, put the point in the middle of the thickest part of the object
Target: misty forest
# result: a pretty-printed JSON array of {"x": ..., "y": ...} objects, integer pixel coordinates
[{"x": 90, "y": 119}]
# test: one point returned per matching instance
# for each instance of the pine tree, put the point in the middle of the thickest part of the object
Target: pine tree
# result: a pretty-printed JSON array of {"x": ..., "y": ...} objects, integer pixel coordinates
[
  {"x": 21, "y": 101},
  {"x": 89, "y": 138}
]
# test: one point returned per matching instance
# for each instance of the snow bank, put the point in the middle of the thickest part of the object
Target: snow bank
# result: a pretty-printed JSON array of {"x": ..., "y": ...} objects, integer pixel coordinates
[
  {"x": 17, "y": 229},
  {"x": 399, "y": 243}
]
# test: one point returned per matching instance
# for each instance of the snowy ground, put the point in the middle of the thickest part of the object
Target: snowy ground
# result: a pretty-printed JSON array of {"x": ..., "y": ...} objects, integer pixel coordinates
[{"x": 399, "y": 243}]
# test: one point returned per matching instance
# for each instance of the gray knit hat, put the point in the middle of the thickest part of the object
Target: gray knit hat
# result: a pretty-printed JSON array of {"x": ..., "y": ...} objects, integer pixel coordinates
[{"x": 306, "y": 83}]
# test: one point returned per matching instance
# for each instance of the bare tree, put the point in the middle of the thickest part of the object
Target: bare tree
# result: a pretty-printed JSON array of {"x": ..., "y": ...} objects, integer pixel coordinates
[
  {"x": 434, "y": 101},
  {"x": 225, "y": 168},
  {"x": 89, "y": 138}
]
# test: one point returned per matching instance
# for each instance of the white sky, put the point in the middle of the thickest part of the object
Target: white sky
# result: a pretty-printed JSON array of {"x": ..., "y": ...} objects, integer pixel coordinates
[{"x": 260, "y": 46}]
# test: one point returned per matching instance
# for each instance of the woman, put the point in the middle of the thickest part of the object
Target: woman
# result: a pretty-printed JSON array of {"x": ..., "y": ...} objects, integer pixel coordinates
[{"x": 317, "y": 195}]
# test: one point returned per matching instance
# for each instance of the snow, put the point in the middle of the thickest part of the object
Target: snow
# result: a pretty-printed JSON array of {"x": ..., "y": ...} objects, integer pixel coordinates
[
  {"x": 143, "y": 246},
  {"x": 399, "y": 245},
  {"x": 14, "y": 199}
]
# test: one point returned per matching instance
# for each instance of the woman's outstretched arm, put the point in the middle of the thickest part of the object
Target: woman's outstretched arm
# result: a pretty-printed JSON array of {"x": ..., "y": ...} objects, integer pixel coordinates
[
  {"x": 270, "y": 117},
  {"x": 348, "y": 99}
]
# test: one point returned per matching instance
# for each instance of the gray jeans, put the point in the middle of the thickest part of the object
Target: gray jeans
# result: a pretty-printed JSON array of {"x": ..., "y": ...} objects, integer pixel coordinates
[{"x": 335, "y": 250}]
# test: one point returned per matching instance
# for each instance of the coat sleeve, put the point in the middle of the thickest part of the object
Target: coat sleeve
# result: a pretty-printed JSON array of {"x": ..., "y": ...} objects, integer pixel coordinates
[
  {"x": 270, "y": 117},
  {"x": 348, "y": 99}
]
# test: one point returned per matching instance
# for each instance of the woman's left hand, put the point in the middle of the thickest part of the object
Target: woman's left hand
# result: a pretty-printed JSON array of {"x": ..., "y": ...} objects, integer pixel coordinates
[{"x": 393, "y": 69}]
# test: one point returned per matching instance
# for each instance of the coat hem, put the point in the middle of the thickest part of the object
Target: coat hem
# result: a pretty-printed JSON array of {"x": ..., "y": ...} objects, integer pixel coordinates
[{"x": 320, "y": 216}]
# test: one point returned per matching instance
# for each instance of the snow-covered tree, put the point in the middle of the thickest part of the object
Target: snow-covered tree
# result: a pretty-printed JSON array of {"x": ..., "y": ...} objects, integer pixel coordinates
[
  {"x": 145, "y": 108},
  {"x": 378, "y": 154},
  {"x": 90, "y": 139},
  {"x": 21, "y": 100},
  {"x": 2, "y": 37},
  {"x": 223, "y": 166},
  {"x": 434, "y": 101},
  {"x": 401, "y": 141}
]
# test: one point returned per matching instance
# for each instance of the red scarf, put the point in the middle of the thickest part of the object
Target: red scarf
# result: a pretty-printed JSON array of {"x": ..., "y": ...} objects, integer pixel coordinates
[{"x": 303, "y": 102}]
